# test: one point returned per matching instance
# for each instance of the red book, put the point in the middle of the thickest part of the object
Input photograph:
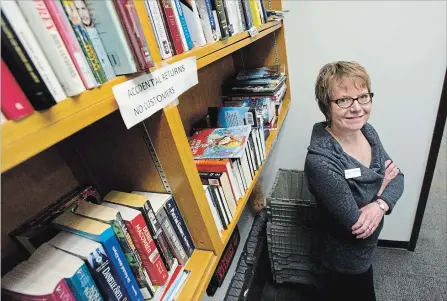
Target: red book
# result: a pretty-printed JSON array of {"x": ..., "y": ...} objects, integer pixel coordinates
[
  {"x": 15, "y": 105},
  {"x": 174, "y": 33},
  {"x": 131, "y": 23},
  {"x": 144, "y": 243},
  {"x": 33, "y": 283}
]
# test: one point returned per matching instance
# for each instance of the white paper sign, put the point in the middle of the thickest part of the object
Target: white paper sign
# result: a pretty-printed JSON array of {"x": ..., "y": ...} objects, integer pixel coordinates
[
  {"x": 253, "y": 31},
  {"x": 352, "y": 173},
  {"x": 142, "y": 96}
]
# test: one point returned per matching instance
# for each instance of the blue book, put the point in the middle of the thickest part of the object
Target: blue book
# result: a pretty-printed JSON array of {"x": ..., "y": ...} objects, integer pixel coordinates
[
  {"x": 184, "y": 25},
  {"x": 93, "y": 254},
  {"x": 232, "y": 116},
  {"x": 179, "y": 225},
  {"x": 102, "y": 233}
]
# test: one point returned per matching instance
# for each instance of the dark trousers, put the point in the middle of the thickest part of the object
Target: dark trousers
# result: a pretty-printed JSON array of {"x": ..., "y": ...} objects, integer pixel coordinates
[{"x": 348, "y": 287}]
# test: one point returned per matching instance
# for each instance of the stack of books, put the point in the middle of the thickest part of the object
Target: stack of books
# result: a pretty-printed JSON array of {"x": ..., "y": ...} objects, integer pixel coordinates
[
  {"x": 262, "y": 89},
  {"x": 52, "y": 49},
  {"x": 130, "y": 246}
]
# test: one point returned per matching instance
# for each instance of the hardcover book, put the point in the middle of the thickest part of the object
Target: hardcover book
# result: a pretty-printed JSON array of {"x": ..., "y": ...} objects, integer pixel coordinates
[
  {"x": 112, "y": 36},
  {"x": 22, "y": 69},
  {"x": 220, "y": 142},
  {"x": 84, "y": 40},
  {"x": 29, "y": 42},
  {"x": 14, "y": 103},
  {"x": 174, "y": 30},
  {"x": 140, "y": 203},
  {"x": 144, "y": 243},
  {"x": 77, "y": 55},
  {"x": 46, "y": 33},
  {"x": 103, "y": 271},
  {"x": 113, "y": 217},
  {"x": 157, "y": 203},
  {"x": 72, "y": 268},
  {"x": 25, "y": 282},
  {"x": 102, "y": 233},
  {"x": 37, "y": 230}
]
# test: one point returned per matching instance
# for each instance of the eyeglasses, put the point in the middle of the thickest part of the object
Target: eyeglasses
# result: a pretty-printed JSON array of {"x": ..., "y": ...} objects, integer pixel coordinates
[{"x": 347, "y": 102}]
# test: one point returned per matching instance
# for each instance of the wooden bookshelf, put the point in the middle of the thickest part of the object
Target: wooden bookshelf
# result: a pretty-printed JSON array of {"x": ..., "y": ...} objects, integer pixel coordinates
[
  {"x": 83, "y": 140},
  {"x": 41, "y": 130}
]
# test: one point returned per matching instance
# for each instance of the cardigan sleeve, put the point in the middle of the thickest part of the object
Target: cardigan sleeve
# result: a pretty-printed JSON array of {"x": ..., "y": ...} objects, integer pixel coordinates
[{"x": 331, "y": 191}]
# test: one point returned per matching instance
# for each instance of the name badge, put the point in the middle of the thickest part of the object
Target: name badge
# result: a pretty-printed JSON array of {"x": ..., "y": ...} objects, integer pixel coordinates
[{"x": 352, "y": 173}]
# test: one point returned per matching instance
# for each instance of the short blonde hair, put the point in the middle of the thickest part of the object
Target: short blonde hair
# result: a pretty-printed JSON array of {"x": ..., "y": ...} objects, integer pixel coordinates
[{"x": 335, "y": 71}]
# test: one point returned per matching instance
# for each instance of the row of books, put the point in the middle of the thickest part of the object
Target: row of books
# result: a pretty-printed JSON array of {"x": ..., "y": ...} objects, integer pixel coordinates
[
  {"x": 52, "y": 49},
  {"x": 130, "y": 246},
  {"x": 229, "y": 143}
]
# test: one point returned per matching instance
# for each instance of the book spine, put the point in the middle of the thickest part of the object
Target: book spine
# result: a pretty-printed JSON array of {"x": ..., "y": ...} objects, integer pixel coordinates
[
  {"x": 263, "y": 11},
  {"x": 62, "y": 292},
  {"x": 138, "y": 32},
  {"x": 158, "y": 236},
  {"x": 82, "y": 285},
  {"x": 106, "y": 276},
  {"x": 240, "y": 10},
  {"x": 84, "y": 40},
  {"x": 134, "y": 260},
  {"x": 14, "y": 103},
  {"x": 255, "y": 13},
  {"x": 149, "y": 253},
  {"x": 30, "y": 44},
  {"x": 179, "y": 226},
  {"x": 183, "y": 23},
  {"x": 111, "y": 246},
  {"x": 96, "y": 40},
  {"x": 173, "y": 240},
  {"x": 216, "y": 21},
  {"x": 168, "y": 12},
  {"x": 193, "y": 21},
  {"x": 207, "y": 20},
  {"x": 68, "y": 36},
  {"x": 159, "y": 28},
  {"x": 222, "y": 18},
  {"x": 112, "y": 36},
  {"x": 45, "y": 31},
  {"x": 22, "y": 69},
  {"x": 247, "y": 13}
]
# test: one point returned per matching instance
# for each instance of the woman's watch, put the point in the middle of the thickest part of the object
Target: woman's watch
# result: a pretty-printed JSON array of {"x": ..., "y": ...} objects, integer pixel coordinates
[{"x": 381, "y": 204}]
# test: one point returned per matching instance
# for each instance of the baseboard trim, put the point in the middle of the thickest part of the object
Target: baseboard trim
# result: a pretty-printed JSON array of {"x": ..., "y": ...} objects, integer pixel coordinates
[{"x": 395, "y": 244}]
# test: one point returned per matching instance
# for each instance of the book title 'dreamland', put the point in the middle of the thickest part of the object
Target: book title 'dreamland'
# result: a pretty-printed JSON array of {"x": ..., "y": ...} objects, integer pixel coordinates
[{"x": 142, "y": 96}]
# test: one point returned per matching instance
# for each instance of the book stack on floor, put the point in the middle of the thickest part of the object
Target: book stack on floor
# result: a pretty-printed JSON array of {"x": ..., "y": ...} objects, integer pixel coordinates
[
  {"x": 131, "y": 246},
  {"x": 262, "y": 89},
  {"x": 291, "y": 235},
  {"x": 54, "y": 49}
]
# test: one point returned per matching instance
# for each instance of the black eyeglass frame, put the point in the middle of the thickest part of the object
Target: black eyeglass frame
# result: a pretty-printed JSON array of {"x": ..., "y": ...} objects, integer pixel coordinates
[{"x": 371, "y": 95}]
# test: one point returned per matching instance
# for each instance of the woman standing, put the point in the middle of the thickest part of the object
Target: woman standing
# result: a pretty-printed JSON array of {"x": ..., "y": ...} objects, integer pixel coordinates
[{"x": 353, "y": 180}]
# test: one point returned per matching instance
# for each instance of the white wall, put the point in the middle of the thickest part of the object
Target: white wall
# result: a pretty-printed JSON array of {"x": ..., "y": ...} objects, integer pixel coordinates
[{"x": 402, "y": 44}]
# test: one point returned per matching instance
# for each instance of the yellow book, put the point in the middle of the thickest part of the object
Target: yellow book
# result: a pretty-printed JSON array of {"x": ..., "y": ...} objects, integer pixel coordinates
[{"x": 255, "y": 13}]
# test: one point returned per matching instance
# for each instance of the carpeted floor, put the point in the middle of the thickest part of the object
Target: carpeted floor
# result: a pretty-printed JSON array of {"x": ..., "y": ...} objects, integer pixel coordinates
[{"x": 420, "y": 275}]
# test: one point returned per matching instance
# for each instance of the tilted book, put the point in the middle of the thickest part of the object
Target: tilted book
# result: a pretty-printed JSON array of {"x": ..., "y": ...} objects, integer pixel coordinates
[
  {"x": 112, "y": 36},
  {"x": 144, "y": 243},
  {"x": 32, "y": 47},
  {"x": 113, "y": 217},
  {"x": 220, "y": 142},
  {"x": 102, "y": 233},
  {"x": 72, "y": 268},
  {"x": 84, "y": 40},
  {"x": 141, "y": 204},
  {"x": 103, "y": 271},
  {"x": 25, "y": 282},
  {"x": 23, "y": 70},
  {"x": 14, "y": 103},
  {"x": 77, "y": 55},
  {"x": 157, "y": 203},
  {"x": 45, "y": 31}
]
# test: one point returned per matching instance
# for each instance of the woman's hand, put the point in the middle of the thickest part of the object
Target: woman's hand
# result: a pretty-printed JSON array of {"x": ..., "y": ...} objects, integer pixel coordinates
[
  {"x": 391, "y": 171},
  {"x": 369, "y": 220}
]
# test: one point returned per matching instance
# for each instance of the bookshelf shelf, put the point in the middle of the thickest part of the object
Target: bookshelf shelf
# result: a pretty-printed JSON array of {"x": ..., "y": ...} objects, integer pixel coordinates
[
  {"x": 201, "y": 264},
  {"x": 25, "y": 138}
]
